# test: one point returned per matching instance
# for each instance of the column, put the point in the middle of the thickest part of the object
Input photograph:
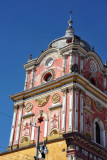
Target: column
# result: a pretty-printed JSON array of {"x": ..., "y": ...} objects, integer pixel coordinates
[
  {"x": 63, "y": 110},
  {"x": 19, "y": 124},
  {"x": 81, "y": 112},
  {"x": 70, "y": 122},
  {"x": 81, "y": 65},
  {"x": 13, "y": 125},
  {"x": 64, "y": 66},
  {"x": 76, "y": 110},
  {"x": 26, "y": 79},
  {"x": 71, "y": 62},
  {"x": 32, "y": 79}
]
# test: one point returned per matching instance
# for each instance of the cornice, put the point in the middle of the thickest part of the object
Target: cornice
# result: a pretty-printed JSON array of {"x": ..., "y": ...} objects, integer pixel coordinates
[
  {"x": 73, "y": 79},
  {"x": 37, "y": 61},
  {"x": 74, "y": 47}
]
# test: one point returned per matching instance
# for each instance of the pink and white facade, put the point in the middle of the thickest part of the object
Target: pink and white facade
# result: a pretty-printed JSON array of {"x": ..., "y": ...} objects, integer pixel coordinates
[{"x": 65, "y": 92}]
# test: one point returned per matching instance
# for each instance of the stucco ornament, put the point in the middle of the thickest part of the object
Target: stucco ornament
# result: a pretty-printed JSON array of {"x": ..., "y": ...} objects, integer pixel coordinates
[
  {"x": 98, "y": 106},
  {"x": 55, "y": 98},
  {"x": 93, "y": 66},
  {"x": 40, "y": 102},
  {"x": 88, "y": 101},
  {"x": 28, "y": 107}
]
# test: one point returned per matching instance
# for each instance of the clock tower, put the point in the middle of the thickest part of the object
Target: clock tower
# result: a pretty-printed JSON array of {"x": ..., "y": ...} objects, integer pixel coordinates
[{"x": 65, "y": 93}]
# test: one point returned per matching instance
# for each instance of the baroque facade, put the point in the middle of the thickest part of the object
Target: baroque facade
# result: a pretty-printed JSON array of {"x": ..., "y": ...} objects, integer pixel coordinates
[{"x": 65, "y": 93}]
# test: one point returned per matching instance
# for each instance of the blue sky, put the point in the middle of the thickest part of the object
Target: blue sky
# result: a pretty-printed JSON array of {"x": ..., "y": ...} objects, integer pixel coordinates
[{"x": 27, "y": 27}]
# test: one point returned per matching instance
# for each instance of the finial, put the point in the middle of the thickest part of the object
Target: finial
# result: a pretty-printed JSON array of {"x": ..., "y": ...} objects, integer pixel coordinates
[
  {"x": 70, "y": 31},
  {"x": 30, "y": 57},
  {"x": 70, "y": 15}
]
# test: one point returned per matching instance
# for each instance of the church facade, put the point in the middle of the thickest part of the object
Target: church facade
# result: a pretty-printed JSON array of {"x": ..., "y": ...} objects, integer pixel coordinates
[{"x": 65, "y": 93}]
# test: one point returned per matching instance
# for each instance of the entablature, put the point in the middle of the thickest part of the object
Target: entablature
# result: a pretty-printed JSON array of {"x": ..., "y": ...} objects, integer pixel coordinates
[{"x": 73, "y": 79}]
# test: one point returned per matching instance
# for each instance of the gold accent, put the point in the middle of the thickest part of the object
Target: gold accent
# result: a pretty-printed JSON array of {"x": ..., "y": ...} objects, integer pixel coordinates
[
  {"x": 42, "y": 101},
  {"x": 15, "y": 146},
  {"x": 88, "y": 101},
  {"x": 28, "y": 107},
  {"x": 25, "y": 83},
  {"x": 55, "y": 136},
  {"x": 9, "y": 148},
  {"x": 26, "y": 143},
  {"x": 55, "y": 98},
  {"x": 65, "y": 80},
  {"x": 63, "y": 69}
]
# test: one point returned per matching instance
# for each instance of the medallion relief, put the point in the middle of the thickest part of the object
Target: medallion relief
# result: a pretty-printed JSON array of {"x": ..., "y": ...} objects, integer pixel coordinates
[
  {"x": 28, "y": 107},
  {"x": 98, "y": 106},
  {"x": 40, "y": 102},
  {"x": 88, "y": 101},
  {"x": 55, "y": 98}
]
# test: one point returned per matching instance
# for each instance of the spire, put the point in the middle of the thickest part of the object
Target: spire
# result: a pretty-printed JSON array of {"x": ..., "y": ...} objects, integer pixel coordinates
[{"x": 70, "y": 31}]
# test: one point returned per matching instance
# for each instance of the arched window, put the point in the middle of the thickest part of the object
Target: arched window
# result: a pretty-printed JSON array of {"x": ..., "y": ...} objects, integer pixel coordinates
[{"x": 99, "y": 132}]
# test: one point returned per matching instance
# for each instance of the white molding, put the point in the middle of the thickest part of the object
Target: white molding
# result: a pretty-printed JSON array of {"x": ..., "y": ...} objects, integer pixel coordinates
[
  {"x": 27, "y": 114},
  {"x": 55, "y": 106}
]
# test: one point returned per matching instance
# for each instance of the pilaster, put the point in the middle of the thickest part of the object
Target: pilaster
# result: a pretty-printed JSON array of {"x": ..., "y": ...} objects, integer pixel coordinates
[
  {"x": 64, "y": 65},
  {"x": 32, "y": 79},
  {"x": 26, "y": 80},
  {"x": 19, "y": 123},
  {"x": 76, "y": 110},
  {"x": 63, "y": 110},
  {"x": 71, "y": 62},
  {"x": 70, "y": 122},
  {"x": 81, "y": 111},
  {"x": 13, "y": 125}
]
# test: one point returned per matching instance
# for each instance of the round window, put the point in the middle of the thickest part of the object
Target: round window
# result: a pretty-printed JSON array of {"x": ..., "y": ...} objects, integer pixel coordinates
[{"x": 48, "y": 77}]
